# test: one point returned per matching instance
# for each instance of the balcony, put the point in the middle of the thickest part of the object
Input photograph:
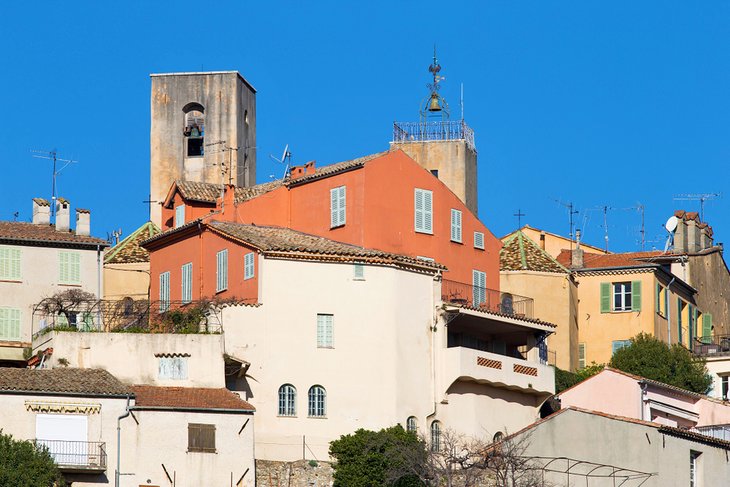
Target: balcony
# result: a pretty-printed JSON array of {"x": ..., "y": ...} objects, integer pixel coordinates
[
  {"x": 499, "y": 370},
  {"x": 441, "y": 130},
  {"x": 711, "y": 345},
  {"x": 76, "y": 456},
  {"x": 485, "y": 299}
]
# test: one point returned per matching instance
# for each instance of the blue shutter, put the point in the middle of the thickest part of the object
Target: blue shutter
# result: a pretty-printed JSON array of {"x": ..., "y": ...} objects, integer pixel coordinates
[
  {"x": 428, "y": 211},
  {"x": 248, "y": 266},
  {"x": 164, "y": 291},
  {"x": 479, "y": 285},
  {"x": 338, "y": 210},
  {"x": 187, "y": 282},
  {"x": 456, "y": 225},
  {"x": 418, "y": 205},
  {"x": 179, "y": 216},
  {"x": 478, "y": 240},
  {"x": 222, "y": 270}
]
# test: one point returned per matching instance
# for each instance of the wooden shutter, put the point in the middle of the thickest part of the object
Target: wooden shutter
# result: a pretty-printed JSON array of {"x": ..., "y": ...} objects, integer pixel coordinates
[
  {"x": 478, "y": 240},
  {"x": 10, "y": 324},
  {"x": 248, "y": 266},
  {"x": 658, "y": 293},
  {"x": 706, "y": 327},
  {"x": 691, "y": 324},
  {"x": 63, "y": 267},
  {"x": 479, "y": 284},
  {"x": 338, "y": 210},
  {"x": 341, "y": 208},
  {"x": 679, "y": 320},
  {"x": 222, "y": 270},
  {"x": 636, "y": 296},
  {"x": 201, "y": 437},
  {"x": 605, "y": 297},
  {"x": 455, "y": 225}
]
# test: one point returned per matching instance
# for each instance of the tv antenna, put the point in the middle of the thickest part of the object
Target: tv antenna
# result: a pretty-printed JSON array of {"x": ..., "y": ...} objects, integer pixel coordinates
[
  {"x": 285, "y": 159},
  {"x": 701, "y": 197},
  {"x": 571, "y": 211},
  {"x": 114, "y": 235},
  {"x": 52, "y": 155}
]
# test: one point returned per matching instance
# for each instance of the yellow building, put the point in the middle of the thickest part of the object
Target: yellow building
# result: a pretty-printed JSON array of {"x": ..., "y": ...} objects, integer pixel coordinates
[
  {"x": 622, "y": 295},
  {"x": 127, "y": 266},
  {"x": 527, "y": 269},
  {"x": 552, "y": 243}
]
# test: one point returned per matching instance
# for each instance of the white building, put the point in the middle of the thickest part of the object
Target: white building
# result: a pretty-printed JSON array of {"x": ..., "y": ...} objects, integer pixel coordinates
[{"x": 38, "y": 260}]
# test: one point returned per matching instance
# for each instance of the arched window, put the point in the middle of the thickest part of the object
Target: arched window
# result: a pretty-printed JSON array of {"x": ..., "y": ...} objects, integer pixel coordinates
[
  {"x": 317, "y": 402},
  {"x": 287, "y": 400},
  {"x": 436, "y": 436},
  {"x": 412, "y": 424},
  {"x": 194, "y": 129},
  {"x": 498, "y": 436}
]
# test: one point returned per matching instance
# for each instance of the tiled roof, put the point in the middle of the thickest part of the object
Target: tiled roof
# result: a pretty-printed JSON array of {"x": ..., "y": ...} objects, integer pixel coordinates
[
  {"x": 600, "y": 261},
  {"x": 31, "y": 233},
  {"x": 209, "y": 193},
  {"x": 188, "y": 398},
  {"x": 520, "y": 252},
  {"x": 128, "y": 250},
  {"x": 62, "y": 381},
  {"x": 278, "y": 239}
]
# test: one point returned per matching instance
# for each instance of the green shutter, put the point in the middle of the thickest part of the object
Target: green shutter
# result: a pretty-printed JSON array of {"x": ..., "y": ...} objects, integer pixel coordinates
[
  {"x": 658, "y": 294},
  {"x": 706, "y": 328},
  {"x": 691, "y": 324},
  {"x": 636, "y": 296},
  {"x": 605, "y": 297},
  {"x": 679, "y": 320}
]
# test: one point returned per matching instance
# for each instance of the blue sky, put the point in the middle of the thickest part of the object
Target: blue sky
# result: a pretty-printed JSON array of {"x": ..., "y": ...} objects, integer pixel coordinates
[{"x": 597, "y": 103}]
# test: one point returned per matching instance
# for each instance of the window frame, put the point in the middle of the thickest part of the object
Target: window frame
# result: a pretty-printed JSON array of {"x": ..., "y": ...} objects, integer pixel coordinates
[
  {"x": 425, "y": 212},
  {"x": 325, "y": 330},
  {"x": 623, "y": 294},
  {"x": 317, "y": 402},
  {"x": 412, "y": 424},
  {"x": 179, "y": 215},
  {"x": 287, "y": 405},
  {"x": 200, "y": 428},
  {"x": 435, "y": 436},
  {"x": 358, "y": 271},
  {"x": 221, "y": 271},
  {"x": 176, "y": 369}
]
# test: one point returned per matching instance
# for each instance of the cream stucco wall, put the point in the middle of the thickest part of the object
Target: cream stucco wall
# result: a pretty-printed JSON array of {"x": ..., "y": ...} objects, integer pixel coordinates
[
  {"x": 134, "y": 357},
  {"x": 718, "y": 366},
  {"x": 555, "y": 301},
  {"x": 555, "y": 243},
  {"x": 127, "y": 280},
  {"x": 40, "y": 274},
  {"x": 161, "y": 438}
]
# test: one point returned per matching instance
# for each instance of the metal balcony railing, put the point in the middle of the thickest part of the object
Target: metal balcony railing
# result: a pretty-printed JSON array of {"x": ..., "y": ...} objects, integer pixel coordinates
[
  {"x": 76, "y": 455},
  {"x": 435, "y": 130},
  {"x": 711, "y": 345},
  {"x": 487, "y": 299},
  {"x": 721, "y": 432}
]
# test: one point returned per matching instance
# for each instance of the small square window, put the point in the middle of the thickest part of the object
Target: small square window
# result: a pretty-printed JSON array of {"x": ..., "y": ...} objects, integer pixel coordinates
[
  {"x": 201, "y": 437},
  {"x": 358, "y": 272}
]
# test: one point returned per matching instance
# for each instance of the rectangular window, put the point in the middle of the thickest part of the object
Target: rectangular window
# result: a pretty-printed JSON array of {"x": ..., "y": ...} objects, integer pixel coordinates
[
  {"x": 187, "y": 282},
  {"x": 424, "y": 211},
  {"x": 175, "y": 368},
  {"x": 622, "y": 296},
  {"x": 724, "y": 379},
  {"x": 9, "y": 264},
  {"x": 201, "y": 437},
  {"x": 455, "y": 226},
  {"x": 248, "y": 266},
  {"x": 694, "y": 468},
  {"x": 617, "y": 345},
  {"x": 581, "y": 355},
  {"x": 358, "y": 272},
  {"x": 164, "y": 291},
  {"x": 338, "y": 201},
  {"x": 179, "y": 216},
  {"x": 10, "y": 324},
  {"x": 221, "y": 283},
  {"x": 478, "y": 240},
  {"x": 70, "y": 267},
  {"x": 325, "y": 331},
  {"x": 479, "y": 284}
]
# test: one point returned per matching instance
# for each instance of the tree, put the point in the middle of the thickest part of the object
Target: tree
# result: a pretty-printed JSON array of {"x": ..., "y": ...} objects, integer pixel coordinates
[
  {"x": 674, "y": 365},
  {"x": 24, "y": 464},
  {"x": 565, "y": 379},
  {"x": 367, "y": 458},
  {"x": 68, "y": 303}
]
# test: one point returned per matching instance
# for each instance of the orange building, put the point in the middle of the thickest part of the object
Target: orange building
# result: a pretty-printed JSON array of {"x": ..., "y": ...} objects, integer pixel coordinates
[{"x": 384, "y": 201}]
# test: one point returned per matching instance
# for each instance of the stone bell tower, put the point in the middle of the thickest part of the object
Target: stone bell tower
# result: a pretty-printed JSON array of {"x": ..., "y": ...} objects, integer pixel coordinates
[
  {"x": 441, "y": 145},
  {"x": 203, "y": 129}
]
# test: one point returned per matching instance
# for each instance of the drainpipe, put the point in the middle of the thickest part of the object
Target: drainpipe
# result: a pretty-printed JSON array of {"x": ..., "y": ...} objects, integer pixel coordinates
[
  {"x": 642, "y": 399},
  {"x": 669, "y": 311},
  {"x": 433, "y": 344},
  {"x": 98, "y": 283},
  {"x": 117, "y": 472}
]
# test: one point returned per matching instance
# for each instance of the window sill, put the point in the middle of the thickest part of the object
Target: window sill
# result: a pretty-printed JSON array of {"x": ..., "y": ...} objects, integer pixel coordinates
[
  {"x": 338, "y": 226},
  {"x": 202, "y": 451},
  {"x": 70, "y": 284},
  {"x": 457, "y": 242},
  {"x": 326, "y": 348},
  {"x": 286, "y": 416},
  {"x": 221, "y": 291},
  {"x": 424, "y": 232},
  {"x": 316, "y": 417},
  {"x": 358, "y": 278},
  {"x": 11, "y": 280},
  {"x": 479, "y": 248}
]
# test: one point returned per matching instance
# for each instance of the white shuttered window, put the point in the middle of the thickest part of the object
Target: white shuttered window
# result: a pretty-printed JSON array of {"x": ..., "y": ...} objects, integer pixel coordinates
[
  {"x": 9, "y": 263},
  {"x": 179, "y": 216},
  {"x": 187, "y": 282},
  {"x": 248, "y": 266},
  {"x": 479, "y": 283},
  {"x": 455, "y": 225},
  {"x": 221, "y": 271},
  {"x": 9, "y": 324},
  {"x": 69, "y": 267},
  {"x": 175, "y": 368},
  {"x": 478, "y": 240},
  {"x": 338, "y": 207},
  {"x": 424, "y": 211},
  {"x": 164, "y": 291},
  {"x": 325, "y": 331}
]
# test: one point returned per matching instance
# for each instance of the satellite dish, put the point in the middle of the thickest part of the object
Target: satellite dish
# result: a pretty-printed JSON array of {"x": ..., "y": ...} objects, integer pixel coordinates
[{"x": 671, "y": 224}]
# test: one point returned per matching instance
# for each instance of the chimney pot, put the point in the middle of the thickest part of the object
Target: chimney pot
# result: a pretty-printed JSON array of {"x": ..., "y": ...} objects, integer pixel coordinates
[
  {"x": 576, "y": 258},
  {"x": 83, "y": 222},
  {"x": 63, "y": 215},
  {"x": 41, "y": 212},
  {"x": 542, "y": 240}
]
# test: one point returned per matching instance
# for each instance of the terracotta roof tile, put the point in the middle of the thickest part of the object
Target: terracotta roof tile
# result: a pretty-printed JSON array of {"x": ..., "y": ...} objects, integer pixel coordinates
[
  {"x": 29, "y": 232},
  {"x": 596, "y": 261},
  {"x": 520, "y": 252},
  {"x": 129, "y": 250},
  {"x": 62, "y": 381},
  {"x": 188, "y": 398}
]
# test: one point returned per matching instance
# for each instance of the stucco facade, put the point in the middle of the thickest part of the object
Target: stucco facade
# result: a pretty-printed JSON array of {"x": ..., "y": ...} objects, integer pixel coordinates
[{"x": 553, "y": 243}]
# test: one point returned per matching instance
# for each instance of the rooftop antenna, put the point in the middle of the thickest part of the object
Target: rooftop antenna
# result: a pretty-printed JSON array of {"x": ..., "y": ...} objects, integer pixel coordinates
[
  {"x": 571, "y": 211},
  {"x": 701, "y": 197},
  {"x": 114, "y": 235},
  {"x": 285, "y": 159},
  {"x": 519, "y": 216},
  {"x": 462, "y": 103},
  {"x": 53, "y": 156},
  {"x": 605, "y": 225},
  {"x": 671, "y": 227}
]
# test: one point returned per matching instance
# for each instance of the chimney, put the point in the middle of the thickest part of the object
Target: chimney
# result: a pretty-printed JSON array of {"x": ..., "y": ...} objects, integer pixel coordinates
[
  {"x": 576, "y": 257},
  {"x": 305, "y": 170},
  {"x": 542, "y": 240},
  {"x": 63, "y": 215},
  {"x": 706, "y": 237},
  {"x": 680, "y": 234},
  {"x": 41, "y": 212},
  {"x": 83, "y": 222},
  {"x": 227, "y": 202},
  {"x": 693, "y": 236}
]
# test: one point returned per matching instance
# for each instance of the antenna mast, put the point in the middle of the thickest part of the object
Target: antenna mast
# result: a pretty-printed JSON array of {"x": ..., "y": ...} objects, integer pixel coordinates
[
  {"x": 571, "y": 211},
  {"x": 52, "y": 155},
  {"x": 701, "y": 197}
]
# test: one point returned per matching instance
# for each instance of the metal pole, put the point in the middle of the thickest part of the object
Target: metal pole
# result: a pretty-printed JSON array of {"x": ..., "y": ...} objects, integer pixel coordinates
[
  {"x": 304, "y": 443},
  {"x": 119, "y": 442}
]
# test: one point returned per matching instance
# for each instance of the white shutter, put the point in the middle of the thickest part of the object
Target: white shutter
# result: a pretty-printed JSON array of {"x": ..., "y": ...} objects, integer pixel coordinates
[
  {"x": 248, "y": 266},
  {"x": 478, "y": 240},
  {"x": 338, "y": 211},
  {"x": 179, "y": 216},
  {"x": 423, "y": 206},
  {"x": 479, "y": 284},
  {"x": 419, "y": 210},
  {"x": 164, "y": 291},
  {"x": 456, "y": 225},
  {"x": 359, "y": 272},
  {"x": 187, "y": 282},
  {"x": 342, "y": 207},
  {"x": 222, "y": 270},
  {"x": 325, "y": 332}
]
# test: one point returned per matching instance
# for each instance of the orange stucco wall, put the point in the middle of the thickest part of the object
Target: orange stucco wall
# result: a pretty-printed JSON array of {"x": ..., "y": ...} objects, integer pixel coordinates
[
  {"x": 193, "y": 210},
  {"x": 173, "y": 256}
]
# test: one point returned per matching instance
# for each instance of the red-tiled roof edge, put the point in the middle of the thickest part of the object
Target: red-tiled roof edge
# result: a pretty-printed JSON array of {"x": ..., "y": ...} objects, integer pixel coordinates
[{"x": 224, "y": 401}]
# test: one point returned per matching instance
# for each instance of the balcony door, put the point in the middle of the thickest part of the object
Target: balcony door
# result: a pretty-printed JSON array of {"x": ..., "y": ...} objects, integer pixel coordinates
[{"x": 65, "y": 435}]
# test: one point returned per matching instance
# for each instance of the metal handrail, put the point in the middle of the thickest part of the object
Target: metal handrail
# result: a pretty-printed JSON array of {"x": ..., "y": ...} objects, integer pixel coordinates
[
  {"x": 404, "y": 132},
  {"x": 76, "y": 454},
  {"x": 471, "y": 296}
]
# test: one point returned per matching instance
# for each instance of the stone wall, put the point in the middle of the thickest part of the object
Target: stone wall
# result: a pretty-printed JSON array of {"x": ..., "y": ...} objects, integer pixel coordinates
[{"x": 300, "y": 473}]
